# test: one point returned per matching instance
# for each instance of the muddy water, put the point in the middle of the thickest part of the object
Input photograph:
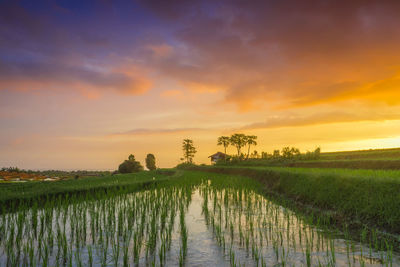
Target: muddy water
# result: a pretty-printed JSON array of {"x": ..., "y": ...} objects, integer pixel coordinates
[{"x": 225, "y": 227}]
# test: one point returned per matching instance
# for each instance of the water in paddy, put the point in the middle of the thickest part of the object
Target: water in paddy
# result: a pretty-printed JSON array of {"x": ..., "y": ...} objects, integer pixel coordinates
[{"x": 182, "y": 225}]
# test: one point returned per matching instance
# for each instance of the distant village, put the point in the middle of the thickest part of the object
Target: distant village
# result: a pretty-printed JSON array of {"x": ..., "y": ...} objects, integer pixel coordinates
[
  {"x": 14, "y": 174},
  {"x": 23, "y": 177}
]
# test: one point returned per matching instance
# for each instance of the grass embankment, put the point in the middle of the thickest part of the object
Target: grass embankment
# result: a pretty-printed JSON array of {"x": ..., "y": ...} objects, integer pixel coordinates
[
  {"x": 375, "y": 159},
  {"x": 13, "y": 194},
  {"x": 371, "y": 164},
  {"x": 355, "y": 198},
  {"x": 383, "y": 154}
]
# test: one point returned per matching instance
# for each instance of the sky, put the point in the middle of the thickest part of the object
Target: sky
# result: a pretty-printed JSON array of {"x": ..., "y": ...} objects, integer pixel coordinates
[{"x": 83, "y": 84}]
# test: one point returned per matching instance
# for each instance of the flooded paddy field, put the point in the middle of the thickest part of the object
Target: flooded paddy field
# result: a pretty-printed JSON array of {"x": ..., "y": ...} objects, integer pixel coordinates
[{"x": 203, "y": 223}]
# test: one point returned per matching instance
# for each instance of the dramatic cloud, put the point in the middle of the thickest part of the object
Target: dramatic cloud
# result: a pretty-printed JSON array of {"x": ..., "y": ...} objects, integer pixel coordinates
[
  {"x": 39, "y": 75},
  {"x": 41, "y": 52},
  {"x": 280, "y": 54},
  {"x": 283, "y": 53},
  {"x": 318, "y": 119},
  {"x": 328, "y": 69}
]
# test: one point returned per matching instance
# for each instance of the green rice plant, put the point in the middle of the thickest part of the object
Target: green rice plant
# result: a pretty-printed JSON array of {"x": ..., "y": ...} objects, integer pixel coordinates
[
  {"x": 116, "y": 221},
  {"x": 90, "y": 256}
]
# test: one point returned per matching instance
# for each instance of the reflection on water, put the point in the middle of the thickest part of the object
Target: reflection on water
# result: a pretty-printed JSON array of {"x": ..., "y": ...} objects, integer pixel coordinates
[
  {"x": 254, "y": 231},
  {"x": 181, "y": 225}
]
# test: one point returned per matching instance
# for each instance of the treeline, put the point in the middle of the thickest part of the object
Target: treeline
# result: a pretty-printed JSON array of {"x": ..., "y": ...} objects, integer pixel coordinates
[
  {"x": 243, "y": 145},
  {"x": 244, "y": 142},
  {"x": 290, "y": 153},
  {"x": 286, "y": 153}
]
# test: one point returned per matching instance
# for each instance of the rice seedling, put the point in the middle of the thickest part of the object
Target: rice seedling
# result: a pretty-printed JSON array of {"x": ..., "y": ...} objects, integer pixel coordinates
[
  {"x": 264, "y": 222},
  {"x": 119, "y": 227}
]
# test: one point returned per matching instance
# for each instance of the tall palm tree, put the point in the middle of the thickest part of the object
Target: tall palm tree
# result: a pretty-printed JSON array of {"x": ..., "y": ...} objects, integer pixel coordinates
[
  {"x": 224, "y": 141},
  {"x": 250, "y": 140}
]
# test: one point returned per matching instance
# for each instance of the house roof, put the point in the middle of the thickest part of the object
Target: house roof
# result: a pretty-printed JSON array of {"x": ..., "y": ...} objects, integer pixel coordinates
[{"x": 218, "y": 154}]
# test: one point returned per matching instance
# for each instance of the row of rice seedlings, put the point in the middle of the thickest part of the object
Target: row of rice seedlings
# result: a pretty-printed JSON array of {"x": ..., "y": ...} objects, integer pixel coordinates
[
  {"x": 184, "y": 236},
  {"x": 117, "y": 229},
  {"x": 247, "y": 221},
  {"x": 132, "y": 229}
]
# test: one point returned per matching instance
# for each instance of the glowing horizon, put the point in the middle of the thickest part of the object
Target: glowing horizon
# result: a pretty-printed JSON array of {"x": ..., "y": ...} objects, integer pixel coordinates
[{"x": 83, "y": 85}]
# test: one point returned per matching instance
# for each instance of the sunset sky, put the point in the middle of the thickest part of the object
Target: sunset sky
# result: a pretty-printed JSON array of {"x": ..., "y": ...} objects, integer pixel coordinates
[{"x": 85, "y": 84}]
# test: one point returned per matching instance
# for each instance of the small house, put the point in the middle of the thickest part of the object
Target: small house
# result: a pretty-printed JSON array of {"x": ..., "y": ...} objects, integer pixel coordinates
[{"x": 218, "y": 156}]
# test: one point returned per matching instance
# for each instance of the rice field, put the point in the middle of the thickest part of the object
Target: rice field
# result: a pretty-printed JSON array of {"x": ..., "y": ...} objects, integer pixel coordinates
[
  {"x": 374, "y": 159},
  {"x": 197, "y": 220}
]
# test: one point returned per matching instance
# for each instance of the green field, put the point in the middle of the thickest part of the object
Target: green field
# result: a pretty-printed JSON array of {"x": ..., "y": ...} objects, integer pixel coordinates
[
  {"x": 11, "y": 194},
  {"x": 369, "y": 197},
  {"x": 390, "y": 153},
  {"x": 190, "y": 217},
  {"x": 379, "y": 159},
  {"x": 351, "y": 203}
]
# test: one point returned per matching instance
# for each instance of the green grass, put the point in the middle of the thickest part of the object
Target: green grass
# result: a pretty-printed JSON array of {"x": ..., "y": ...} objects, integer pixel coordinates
[
  {"x": 363, "y": 154},
  {"x": 121, "y": 228},
  {"x": 378, "y": 159},
  {"x": 371, "y": 164},
  {"x": 12, "y": 193},
  {"x": 375, "y": 164},
  {"x": 370, "y": 197}
]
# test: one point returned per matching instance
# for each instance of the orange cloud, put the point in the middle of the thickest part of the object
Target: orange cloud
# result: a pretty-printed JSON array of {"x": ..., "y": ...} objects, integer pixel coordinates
[
  {"x": 157, "y": 131},
  {"x": 172, "y": 93},
  {"x": 387, "y": 91},
  {"x": 321, "y": 118},
  {"x": 202, "y": 88},
  {"x": 283, "y": 54}
]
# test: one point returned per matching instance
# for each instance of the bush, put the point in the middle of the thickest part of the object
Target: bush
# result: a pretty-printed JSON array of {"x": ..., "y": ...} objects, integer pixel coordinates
[
  {"x": 151, "y": 162},
  {"x": 130, "y": 165}
]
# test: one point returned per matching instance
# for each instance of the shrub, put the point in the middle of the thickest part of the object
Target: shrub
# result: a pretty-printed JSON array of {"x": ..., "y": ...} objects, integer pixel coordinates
[
  {"x": 151, "y": 162},
  {"x": 130, "y": 165}
]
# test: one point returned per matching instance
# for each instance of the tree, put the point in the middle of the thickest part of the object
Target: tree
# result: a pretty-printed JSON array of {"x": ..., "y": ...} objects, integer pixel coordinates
[
  {"x": 250, "y": 140},
  {"x": 295, "y": 152},
  {"x": 130, "y": 165},
  {"x": 151, "y": 162},
  {"x": 188, "y": 150},
  {"x": 290, "y": 153},
  {"x": 238, "y": 141},
  {"x": 276, "y": 154},
  {"x": 224, "y": 141},
  {"x": 255, "y": 154},
  {"x": 317, "y": 152},
  {"x": 286, "y": 152}
]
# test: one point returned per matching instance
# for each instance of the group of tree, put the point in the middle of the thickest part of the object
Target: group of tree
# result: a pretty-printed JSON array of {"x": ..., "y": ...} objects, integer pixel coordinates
[
  {"x": 132, "y": 165},
  {"x": 292, "y": 153},
  {"x": 241, "y": 141},
  {"x": 238, "y": 141}
]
